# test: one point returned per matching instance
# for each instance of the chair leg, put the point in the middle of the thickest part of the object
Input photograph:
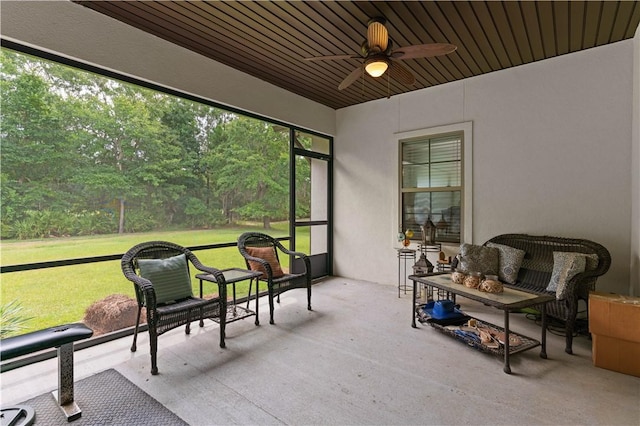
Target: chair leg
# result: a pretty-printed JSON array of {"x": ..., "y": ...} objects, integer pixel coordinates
[
  {"x": 187, "y": 329},
  {"x": 223, "y": 326},
  {"x": 271, "y": 306},
  {"x": 309, "y": 296},
  {"x": 570, "y": 324},
  {"x": 153, "y": 343},
  {"x": 569, "y": 344},
  {"x": 135, "y": 331}
]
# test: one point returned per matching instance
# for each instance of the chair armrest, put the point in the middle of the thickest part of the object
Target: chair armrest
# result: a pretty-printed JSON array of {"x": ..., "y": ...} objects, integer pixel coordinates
[
  {"x": 303, "y": 256},
  {"x": 144, "y": 287},
  {"x": 204, "y": 268},
  {"x": 581, "y": 283},
  {"x": 266, "y": 265},
  {"x": 222, "y": 283},
  {"x": 290, "y": 252}
]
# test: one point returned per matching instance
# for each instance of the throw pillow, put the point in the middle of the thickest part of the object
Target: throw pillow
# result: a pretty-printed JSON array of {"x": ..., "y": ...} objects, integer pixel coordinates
[
  {"x": 479, "y": 259},
  {"x": 592, "y": 261},
  {"x": 268, "y": 254},
  {"x": 170, "y": 277},
  {"x": 566, "y": 265},
  {"x": 510, "y": 262}
]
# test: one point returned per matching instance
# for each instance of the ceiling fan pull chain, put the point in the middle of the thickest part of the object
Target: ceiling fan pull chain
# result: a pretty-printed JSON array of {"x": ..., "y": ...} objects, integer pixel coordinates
[{"x": 388, "y": 86}]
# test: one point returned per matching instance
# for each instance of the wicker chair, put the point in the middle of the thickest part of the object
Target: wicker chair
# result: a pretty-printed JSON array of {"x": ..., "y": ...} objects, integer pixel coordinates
[
  {"x": 151, "y": 294},
  {"x": 251, "y": 243},
  {"x": 537, "y": 267}
]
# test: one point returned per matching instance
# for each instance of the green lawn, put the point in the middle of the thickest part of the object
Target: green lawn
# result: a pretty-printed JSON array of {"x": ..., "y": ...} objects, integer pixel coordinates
[{"x": 60, "y": 295}]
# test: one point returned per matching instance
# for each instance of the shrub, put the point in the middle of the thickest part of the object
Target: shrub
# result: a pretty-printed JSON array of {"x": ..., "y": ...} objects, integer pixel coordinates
[
  {"x": 114, "y": 312},
  {"x": 199, "y": 215},
  {"x": 13, "y": 319},
  {"x": 139, "y": 221}
]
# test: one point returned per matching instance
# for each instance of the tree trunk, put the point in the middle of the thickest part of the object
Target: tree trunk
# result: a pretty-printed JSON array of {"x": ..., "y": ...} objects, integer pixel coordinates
[
  {"x": 266, "y": 222},
  {"x": 121, "y": 221}
]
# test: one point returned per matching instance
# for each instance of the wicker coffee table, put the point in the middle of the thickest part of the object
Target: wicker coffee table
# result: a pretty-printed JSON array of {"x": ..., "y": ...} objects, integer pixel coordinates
[{"x": 509, "y": 300}]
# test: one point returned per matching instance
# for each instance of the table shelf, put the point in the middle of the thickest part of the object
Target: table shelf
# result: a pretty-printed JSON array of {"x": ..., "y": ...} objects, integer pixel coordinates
[
  {"x": 236, "y": 313},
  {"x": 507, "y": 301},
  {"x": 450, "y": 330}
]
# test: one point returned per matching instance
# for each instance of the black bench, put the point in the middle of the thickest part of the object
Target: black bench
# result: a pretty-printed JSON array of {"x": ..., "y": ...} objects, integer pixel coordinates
[
  {"x": 61, "y": 337},
  {"x": 537, "y": 268}
]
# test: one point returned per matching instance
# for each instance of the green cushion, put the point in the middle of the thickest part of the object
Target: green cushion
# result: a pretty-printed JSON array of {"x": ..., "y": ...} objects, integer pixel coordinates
[{"x": 170, "y": 277}]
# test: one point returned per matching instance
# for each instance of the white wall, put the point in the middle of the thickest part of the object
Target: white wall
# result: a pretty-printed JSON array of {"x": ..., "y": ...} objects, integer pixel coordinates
[
  {"x": 74, "y": 31},
  {"x": 552, "y": 144},
  {"x": 634, "y": 286}
]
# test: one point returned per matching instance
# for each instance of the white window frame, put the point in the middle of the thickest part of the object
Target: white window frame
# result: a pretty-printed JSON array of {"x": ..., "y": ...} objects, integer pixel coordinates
[{"x": 466, "y": 128}]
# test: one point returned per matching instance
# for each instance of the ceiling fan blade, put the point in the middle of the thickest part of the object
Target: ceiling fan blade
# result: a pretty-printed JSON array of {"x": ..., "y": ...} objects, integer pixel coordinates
[
  {"x": 351, "y": 78},
  {"x": 400, "y": 73},
  {"x": 331, "y": 57},
  {"x": 423, "y": 51}
]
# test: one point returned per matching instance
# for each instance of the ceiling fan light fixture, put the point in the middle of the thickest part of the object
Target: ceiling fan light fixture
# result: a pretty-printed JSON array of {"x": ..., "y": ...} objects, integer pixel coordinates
[{"x": 375, "y": 67}]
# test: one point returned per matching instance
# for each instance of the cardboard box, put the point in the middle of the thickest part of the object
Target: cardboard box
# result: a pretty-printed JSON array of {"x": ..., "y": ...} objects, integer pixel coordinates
[{"x": 614, "y": 323}]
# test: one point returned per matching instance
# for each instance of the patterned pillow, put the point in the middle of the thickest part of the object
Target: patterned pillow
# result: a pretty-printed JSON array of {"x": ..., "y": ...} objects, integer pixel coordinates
[
  {"x": 479, "y": 259},
  {"x": 268, "y": 254},
  {"x": 566, "y": 265},
  {"x": 170, "y": 277},
  {"x": 510, "y": 262},
  {"x": 592, "y": 262}
]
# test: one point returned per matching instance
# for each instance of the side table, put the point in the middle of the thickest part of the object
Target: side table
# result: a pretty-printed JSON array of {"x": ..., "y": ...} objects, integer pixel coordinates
[
  {"x": 404, "y": 254},
  {"x": 232, "y": 276}
]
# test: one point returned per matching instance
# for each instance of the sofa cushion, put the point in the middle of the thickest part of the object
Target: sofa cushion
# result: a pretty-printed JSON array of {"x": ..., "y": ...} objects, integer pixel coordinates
[
  {"x": 481, "y": 259},
  {"x": 566, "y": 265},
  {"x": 268, "y": 254},
  {"x": 509, "y": 263},
  {"x": 170, "y": 277}
]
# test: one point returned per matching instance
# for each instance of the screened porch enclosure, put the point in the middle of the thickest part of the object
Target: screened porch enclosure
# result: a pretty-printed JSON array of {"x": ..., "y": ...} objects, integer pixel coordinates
[{"x": 112, "y": 161}]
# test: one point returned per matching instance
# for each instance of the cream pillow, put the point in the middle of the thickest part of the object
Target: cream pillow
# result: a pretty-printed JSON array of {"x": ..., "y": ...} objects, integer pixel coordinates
[
  {"x": 510, "y": 262},
  {"x": 566, "y": 265}
]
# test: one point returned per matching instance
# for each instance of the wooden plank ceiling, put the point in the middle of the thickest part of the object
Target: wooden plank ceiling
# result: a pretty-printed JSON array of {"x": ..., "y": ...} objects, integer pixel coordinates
[{"x": 270, "y": 39}]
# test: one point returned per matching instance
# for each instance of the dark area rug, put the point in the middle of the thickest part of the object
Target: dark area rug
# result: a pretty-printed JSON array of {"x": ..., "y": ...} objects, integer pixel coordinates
[{"x": 106, "y": 398}]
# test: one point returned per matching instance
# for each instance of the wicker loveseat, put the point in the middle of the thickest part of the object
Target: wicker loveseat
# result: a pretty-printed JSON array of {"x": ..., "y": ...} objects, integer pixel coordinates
[{"x": 537, "y": 268}]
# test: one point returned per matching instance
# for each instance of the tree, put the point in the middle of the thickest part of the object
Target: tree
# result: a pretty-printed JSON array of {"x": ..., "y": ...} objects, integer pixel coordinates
[
  {"x": 36, "y": 160},
  {"x": 257, "y": 166},
  {"x": 85, "y": 151}
]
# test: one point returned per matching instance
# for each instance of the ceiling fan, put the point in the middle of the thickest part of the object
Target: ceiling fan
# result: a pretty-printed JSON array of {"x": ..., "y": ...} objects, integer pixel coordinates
[{"x": 379, "y": 57}]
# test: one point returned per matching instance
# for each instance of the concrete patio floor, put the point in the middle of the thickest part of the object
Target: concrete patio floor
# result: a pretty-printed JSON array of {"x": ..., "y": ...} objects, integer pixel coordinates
[{"x": 354, "y": 360}]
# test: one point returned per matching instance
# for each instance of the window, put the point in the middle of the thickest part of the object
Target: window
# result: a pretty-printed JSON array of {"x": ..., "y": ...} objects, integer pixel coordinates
[{"x": 433, "y": 177}]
